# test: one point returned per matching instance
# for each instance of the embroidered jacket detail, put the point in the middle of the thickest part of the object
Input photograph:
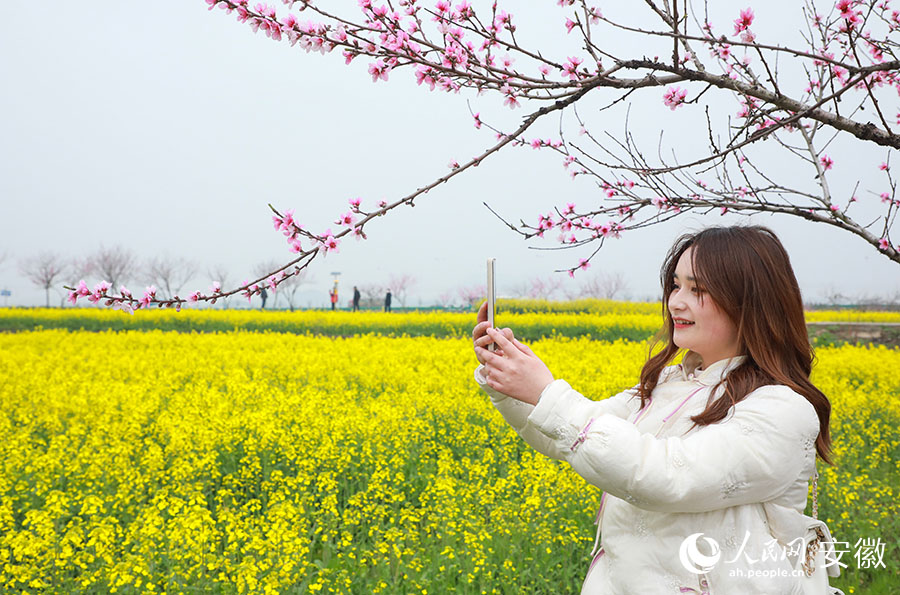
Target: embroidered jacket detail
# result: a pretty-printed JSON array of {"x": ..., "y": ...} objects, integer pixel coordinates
[
  {"x": 731, "y": 487},
  {"x": 582, "y": 435}
]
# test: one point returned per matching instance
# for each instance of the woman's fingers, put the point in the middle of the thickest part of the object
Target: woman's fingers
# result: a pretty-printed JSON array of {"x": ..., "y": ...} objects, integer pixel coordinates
[
  {"x": 480, "y": 329},
  {"x": 502, "y": 342},
  {"x": 483, "y": 341},
  {"x": 483, "y": 355},
  {"x": 494, "y": 359},
  {"x": 482, "y": 313},
  {"x": 508, "y": 333},
  {"x": 523, "y": 347}
]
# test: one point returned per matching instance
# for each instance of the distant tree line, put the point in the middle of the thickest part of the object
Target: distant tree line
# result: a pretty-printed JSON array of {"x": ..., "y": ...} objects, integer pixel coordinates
[
  {"x": 50, "y": 270},
  {"x": 170, "y": 275}
]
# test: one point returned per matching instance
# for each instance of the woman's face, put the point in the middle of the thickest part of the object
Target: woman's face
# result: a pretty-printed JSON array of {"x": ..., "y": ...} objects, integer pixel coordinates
[{"x": 699, "y": 323}]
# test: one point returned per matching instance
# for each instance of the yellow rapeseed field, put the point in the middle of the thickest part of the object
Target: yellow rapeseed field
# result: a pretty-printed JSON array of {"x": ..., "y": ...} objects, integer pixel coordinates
[
  {"x": 635, "y": 321},
  {"x": 159, "y": 462},
  {"x": 852, "y": 316},
  {"x": 531, "y": 325}
]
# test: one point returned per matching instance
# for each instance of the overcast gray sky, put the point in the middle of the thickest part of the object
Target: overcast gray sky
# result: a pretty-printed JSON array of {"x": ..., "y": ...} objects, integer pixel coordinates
[{"x": 166, "y": 129}]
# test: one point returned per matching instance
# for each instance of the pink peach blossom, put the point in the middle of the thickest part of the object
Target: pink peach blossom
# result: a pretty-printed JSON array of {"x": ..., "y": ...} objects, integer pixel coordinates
[
  {"x": 546, "y": 222},
  {"x": 288, "y": 220},
  {"x": 99, "y": 292},
  {"x": 510, "y": 101},
  {"x": 464, "y": 10},
  {"x": 123, "y": 306},
  {"x": 674, "y": 97},
  {"x": 570, "y": 68},
  {"x": 346, "y": 219},
  {"x": 424, "y": 75},
  {"x": 329, "y": 243},
  {"x": 379, "y": 70},
  {"x": 149, "y": 296},
  {"x": 743, "y": 22}
]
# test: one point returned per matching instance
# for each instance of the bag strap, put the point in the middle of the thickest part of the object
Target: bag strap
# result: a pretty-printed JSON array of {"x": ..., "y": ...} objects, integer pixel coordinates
[
  {"x": 815, "y": 508},
  {"x": 812, "y": 548}
]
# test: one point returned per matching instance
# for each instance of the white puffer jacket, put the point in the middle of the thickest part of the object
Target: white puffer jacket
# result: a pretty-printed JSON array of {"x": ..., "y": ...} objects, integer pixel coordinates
[{"x": 742, "y": 482}]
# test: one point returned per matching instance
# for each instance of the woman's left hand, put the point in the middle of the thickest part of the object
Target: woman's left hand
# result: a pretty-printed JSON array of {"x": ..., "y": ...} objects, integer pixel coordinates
[{"x": 515, "y": 370}]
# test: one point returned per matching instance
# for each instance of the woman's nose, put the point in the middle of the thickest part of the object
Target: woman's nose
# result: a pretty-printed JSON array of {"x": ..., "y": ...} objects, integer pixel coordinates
[{"x": 676, "y": 300}]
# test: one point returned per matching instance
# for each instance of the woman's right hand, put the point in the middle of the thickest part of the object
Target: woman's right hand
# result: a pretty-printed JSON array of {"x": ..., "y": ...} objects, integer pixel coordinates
[{"x": 480, "y": 337}]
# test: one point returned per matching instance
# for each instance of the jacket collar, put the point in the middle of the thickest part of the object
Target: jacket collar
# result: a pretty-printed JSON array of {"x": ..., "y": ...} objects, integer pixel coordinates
[{"x": 691, "y": 371}]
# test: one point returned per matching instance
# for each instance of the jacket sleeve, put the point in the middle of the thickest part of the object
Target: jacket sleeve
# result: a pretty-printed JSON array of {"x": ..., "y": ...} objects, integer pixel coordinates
[
  {"x": 516, "y": 413},
  {"x": 753, "y": 455}
]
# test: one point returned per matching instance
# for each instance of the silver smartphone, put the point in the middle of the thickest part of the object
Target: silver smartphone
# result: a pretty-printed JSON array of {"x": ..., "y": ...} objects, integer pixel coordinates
[{"x": 491, "y": 296}]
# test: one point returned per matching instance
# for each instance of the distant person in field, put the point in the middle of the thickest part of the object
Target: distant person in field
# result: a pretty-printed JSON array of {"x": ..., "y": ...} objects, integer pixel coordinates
[
  {"x": 387, "y": 301},
  {"x": 356, "y": 297},
  {"x": 263, "y": 296},
  {"x": 720, "y": 444},
  {"x": 333, "y": 295}
]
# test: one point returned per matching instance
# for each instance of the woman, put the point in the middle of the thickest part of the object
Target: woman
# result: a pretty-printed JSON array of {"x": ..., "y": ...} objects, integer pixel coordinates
[{"x": 705, "y": 464}]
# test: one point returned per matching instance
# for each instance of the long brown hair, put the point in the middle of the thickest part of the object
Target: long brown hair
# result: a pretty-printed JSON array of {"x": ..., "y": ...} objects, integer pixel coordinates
[{"x": 746, "y": 271}]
